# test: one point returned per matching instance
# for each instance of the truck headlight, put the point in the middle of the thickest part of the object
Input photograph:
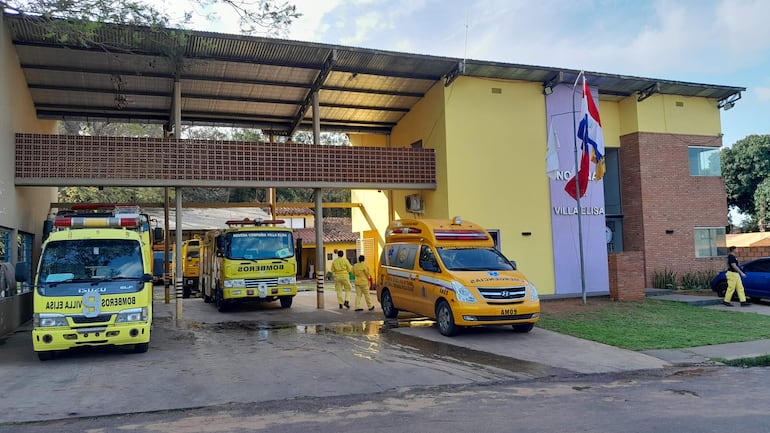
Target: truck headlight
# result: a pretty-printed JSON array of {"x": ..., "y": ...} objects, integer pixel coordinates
[
  {"x": 42, "y": 320},
  {"x": 132, "y": 315},
  {"x": 234, "y": 283},
  {"x": 462, "y": 293},
  {"x": 532, "y": 292},
  {"x": 287, "y": 280}
]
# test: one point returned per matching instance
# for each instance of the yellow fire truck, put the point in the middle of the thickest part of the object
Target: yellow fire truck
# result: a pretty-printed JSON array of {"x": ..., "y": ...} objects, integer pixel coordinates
[
  {"x": 190, "y": 266},
  {"x": 251, "y": 260},
  {"x": 93, "y": 285}
]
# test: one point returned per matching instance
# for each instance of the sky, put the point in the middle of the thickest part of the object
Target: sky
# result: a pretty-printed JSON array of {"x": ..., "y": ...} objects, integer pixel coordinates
[{"x": 719, "y": 42}]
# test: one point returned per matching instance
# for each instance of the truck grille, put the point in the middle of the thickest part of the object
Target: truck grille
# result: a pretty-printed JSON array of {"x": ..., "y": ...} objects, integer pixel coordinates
[
  {"x": 256, "y": 283},
  {"x": 503, "y": 294},
  {"x": 102, "y": 318}
]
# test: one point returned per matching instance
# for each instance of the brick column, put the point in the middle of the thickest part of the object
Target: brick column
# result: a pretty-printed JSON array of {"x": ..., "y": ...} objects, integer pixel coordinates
[{"x": 626, "y": 276}]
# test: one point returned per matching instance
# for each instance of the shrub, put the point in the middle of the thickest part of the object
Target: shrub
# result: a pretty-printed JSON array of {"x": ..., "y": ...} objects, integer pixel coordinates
[
  {"x": 699, "y": 280},
  {"x": 665, "y": 279}
]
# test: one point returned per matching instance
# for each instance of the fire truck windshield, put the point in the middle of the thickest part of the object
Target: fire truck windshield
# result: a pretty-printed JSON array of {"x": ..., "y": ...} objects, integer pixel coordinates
[
  {"x": 114, "y": 264},
  {"x": 256, "y": 245}
]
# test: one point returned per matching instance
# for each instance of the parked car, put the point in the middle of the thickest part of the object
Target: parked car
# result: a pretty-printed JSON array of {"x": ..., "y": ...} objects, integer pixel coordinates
[{"x": 756, "y": 283}]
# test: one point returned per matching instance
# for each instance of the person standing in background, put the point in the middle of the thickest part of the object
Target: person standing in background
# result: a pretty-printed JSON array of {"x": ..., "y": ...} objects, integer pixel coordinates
[
  {"x": 341, "y": 269},
  {"x": 362, "y": 274}
]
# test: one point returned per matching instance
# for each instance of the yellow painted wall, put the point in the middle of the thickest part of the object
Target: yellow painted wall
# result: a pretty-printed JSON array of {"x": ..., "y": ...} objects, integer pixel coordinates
[
  {"x": 609, "y": 113},
  {"x": 496, "y": 141},
  {"x": 671, "y": 114},
  {"x": 22, "y": 209},
  {"x": 426, "y": 122}
]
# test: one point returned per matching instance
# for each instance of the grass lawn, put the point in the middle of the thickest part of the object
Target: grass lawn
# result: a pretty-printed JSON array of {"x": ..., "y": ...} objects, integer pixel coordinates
[{"x": 651, "y": 324}]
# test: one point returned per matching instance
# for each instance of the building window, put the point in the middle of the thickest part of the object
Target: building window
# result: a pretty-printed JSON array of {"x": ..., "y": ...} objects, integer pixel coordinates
[
  {"x": 710, "y": 242},
  {"x": 704, "y": 161},
  {"x": 5, "y": 245}
]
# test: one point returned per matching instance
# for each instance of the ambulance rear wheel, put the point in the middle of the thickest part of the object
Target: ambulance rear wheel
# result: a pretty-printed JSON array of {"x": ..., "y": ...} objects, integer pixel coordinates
[
  {"x": 141, "y": 347},
  {"x": 45, "y": 356},
  {"x": 445, "y": 320},
  {"x": 388, "y": 308},
  {"x": 286, "y": 301}
]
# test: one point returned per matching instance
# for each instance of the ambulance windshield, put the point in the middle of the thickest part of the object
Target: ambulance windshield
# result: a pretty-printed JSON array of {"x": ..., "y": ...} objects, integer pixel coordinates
[{"x": 474, "y": 259}]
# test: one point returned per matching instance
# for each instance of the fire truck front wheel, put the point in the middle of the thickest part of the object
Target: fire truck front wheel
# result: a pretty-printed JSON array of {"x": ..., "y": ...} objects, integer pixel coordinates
[
  {"x": 141, "y": 347},
  {"x": 286, "y": 301},
  {"x": 220, "y": 301}
]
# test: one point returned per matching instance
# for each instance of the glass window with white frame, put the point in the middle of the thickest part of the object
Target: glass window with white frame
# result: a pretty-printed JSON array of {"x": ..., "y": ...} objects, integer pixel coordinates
[
  {"x": 704, "y": 161},
  {"x": 710, "y": 242}
]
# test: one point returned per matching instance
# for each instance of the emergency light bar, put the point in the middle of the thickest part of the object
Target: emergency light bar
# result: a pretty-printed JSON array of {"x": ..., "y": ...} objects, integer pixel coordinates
[
  {"x": 96, "y": 222},
  {"x": 404, "y": 231},
  {"x": 460, "y": 235},
  {"x": 254, "y": 222}
]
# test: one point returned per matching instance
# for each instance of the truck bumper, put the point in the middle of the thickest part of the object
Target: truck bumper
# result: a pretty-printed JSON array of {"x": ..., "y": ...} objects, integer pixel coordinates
[{"x": 46, "y": 339}]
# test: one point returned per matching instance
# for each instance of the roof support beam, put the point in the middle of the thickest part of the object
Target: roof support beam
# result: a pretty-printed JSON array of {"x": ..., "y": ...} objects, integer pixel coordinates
[
  {"x": 319, "y": 80},
  {"x": 649, "y": 91}
]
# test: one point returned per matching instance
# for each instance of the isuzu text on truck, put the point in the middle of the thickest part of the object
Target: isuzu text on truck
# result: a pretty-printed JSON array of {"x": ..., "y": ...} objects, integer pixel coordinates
[
  {"x": 252, "y": 260},
  {"x": 93, "y": 285}
]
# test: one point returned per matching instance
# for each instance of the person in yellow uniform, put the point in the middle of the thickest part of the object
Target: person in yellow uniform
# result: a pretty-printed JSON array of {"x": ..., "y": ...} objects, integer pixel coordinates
[
  {"x": 362, "y": 274},
  {"x": 341, "y": 269}
]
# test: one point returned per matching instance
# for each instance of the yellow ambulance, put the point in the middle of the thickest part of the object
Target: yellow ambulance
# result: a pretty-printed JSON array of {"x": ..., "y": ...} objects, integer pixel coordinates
[{"x": 450, "y": 271}]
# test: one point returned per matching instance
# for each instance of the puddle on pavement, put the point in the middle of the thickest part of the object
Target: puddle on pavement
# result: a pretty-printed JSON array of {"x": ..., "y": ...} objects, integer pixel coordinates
[{"x": 381, "y": 332}]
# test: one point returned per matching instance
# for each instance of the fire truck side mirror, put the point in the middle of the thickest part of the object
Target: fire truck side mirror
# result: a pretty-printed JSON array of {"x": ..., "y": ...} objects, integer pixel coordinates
[
  {"x": 157, "y": 234},
  {"x": 220, "y": 245},
  {"x": 22, "y": 272}
]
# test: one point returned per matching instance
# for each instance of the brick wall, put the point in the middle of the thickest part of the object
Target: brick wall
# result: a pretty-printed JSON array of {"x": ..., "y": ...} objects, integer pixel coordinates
[
  {"x": 626, "y": 271},
  {"x": 660, "y": 196},
  {"x": 745, "y": 254}
]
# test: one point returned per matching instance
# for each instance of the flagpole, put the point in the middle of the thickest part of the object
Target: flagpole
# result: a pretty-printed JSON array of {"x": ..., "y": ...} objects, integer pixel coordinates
[{"x": 577, "y": 185}]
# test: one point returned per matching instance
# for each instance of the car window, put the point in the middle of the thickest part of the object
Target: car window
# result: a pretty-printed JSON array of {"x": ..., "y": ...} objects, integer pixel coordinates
[
  {"x": 758, "y": 266},
  {"x": 402, "y": 255},
  {"x": 428, "y": 259}
]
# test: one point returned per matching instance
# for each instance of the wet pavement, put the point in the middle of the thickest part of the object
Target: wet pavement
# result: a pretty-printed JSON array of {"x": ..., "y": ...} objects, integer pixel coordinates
[{"x": 261, "y": 352}]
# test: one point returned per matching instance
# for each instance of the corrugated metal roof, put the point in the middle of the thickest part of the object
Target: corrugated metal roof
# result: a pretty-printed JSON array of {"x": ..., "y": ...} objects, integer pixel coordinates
[{"x": 234, "y": 80}]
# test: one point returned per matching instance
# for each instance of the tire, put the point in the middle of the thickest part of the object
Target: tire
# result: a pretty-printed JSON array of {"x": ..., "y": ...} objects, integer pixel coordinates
[
  {"x": 523, "y": 328},
  {"x": 206, "y": 298},
  {"x": 286, "y": 301},
  {"x": 221, "y": 303},
  {"x": 445, "y": 320},
  {"x": 721, "y": 289},
  {"x": 186, "y": 292},
  {"x": 45, "y": 356},
  {"x": 141, "y": 347},
  {"x": 388, "y": 309}
]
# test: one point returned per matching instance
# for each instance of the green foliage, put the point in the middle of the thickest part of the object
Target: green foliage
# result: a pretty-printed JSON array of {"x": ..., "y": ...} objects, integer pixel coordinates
[
  {"x": 762, "y": 203},
  {"x": 656, "y": 325},
  {"x": 77, "y": 21},
  {"x": 698, "y": 280},
  {"x": 92, "y": 194},
  {"x": 744, "y": 166},
  {"x": 665, "y": 279}
]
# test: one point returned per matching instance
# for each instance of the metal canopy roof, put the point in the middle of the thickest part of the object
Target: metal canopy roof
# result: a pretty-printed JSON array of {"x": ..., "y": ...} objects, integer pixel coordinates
[{"x": 252, "y": 82}]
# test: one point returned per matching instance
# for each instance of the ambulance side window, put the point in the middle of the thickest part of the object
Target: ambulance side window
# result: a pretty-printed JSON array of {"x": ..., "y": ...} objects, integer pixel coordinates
[
  {"x": 428, "y": 259},
  {"x": 404, "y": 256}
]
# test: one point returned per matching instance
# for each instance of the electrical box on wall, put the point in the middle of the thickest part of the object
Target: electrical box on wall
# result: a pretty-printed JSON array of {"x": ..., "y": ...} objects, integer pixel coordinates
[{"x": 414, "y": 203}]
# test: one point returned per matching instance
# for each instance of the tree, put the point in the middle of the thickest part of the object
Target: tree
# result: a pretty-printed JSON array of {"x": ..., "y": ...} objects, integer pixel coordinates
[
  {"x": 79, "y": 19},
  {"x": 745, "y": 166}
]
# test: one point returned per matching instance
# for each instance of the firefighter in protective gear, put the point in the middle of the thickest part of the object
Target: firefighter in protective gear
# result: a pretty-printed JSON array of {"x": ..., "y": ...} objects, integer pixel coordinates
[
  {"x": 363, "y": 278},
  {"x": 341, "y": 269}
]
